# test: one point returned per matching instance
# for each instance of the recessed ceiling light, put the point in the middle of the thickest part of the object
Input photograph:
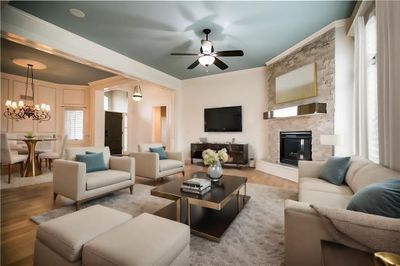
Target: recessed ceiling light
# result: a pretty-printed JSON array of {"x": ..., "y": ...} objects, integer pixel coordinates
[
  {"x": 25, "y": 62},
  {"x": 77, "y": 13}
]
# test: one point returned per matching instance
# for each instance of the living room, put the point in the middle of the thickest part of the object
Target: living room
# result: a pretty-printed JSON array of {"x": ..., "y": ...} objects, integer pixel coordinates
[{"x": 287, "y": 130}]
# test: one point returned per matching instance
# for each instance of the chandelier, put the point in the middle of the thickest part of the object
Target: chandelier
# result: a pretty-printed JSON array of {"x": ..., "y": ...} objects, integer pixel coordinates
[{"x": 23, "y": 110}]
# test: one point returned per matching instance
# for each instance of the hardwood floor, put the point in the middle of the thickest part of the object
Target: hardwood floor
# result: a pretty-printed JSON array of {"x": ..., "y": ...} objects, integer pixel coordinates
[{"x": 19, "y": 204}]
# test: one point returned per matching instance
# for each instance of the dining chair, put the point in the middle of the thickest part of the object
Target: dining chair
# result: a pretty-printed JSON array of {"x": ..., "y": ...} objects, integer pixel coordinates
[
  {"x": 10, "y": 157},
  {"x": 51, "y": 155}
]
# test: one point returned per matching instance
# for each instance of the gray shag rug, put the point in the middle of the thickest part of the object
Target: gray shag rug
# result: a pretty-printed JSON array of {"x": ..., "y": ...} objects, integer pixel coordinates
[{"x": 256, "y": 236}]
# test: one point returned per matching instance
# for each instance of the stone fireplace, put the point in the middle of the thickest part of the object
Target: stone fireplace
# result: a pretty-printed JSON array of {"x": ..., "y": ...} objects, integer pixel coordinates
[{"x": 295, "y": 146}]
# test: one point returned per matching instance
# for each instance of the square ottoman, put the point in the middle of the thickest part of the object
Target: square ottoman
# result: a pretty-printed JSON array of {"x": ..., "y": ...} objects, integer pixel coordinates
[
  {"x": 60, "y": 241},
  {"x": 145, "y": 240}
]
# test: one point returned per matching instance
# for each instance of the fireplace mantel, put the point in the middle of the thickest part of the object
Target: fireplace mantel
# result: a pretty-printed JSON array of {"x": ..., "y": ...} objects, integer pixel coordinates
[{"x": 295, "y": 111}]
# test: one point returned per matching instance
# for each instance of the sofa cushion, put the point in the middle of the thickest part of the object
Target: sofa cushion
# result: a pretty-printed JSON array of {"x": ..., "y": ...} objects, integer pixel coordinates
[
  {"x": 67, "y": 234},
  {"x": 161, "y": 152},
  {"x": 379, "y": 198},
  {"x": 145, "y": 240},
  {"x": 94, "y": 161},
  {"x": 70, "y": 153},
  {"x": 355, "y": 165},
  {"x": 325, "y": 199},
  {"x": 310, "y": 183},
  {"x": 335, "y": 169},
  {"x": 371, "y": 173},
  {"x": 169, "y": 164},
  {"x": 105, "y": 178}
]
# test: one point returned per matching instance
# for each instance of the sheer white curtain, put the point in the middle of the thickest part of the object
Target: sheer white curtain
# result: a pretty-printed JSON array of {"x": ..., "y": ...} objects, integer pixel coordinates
[
  {"x": 388, "y": 61},
  {"x": 360, "y": 91}
]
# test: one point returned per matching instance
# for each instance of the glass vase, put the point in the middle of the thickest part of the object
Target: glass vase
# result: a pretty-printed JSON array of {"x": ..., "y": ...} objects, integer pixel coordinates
[{"x": 215, "y": 171}]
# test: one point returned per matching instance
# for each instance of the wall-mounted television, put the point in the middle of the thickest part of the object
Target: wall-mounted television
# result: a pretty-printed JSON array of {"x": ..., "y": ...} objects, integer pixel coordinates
[{"x": 223, "y": 119}]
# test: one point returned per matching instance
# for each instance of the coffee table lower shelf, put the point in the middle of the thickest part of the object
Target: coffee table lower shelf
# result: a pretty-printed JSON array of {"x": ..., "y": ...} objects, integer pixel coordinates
[{"x": 205, "y": 222}]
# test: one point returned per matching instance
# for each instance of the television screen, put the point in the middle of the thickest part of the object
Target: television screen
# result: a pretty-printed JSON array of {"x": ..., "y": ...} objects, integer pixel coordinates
[{"x": 224, "y": 119}]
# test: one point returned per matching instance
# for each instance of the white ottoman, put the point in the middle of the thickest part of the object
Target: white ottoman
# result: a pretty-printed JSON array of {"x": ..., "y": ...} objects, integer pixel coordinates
[
  {"x": 145, "y": 240},
  {"x": 60, "y": 241}
]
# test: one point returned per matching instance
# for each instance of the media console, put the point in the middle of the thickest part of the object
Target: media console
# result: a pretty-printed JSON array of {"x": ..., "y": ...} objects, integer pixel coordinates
[{"x": 238, "y": 153}]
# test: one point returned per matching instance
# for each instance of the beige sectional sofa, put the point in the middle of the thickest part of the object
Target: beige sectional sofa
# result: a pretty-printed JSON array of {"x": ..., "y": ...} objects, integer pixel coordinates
[
  {"x": 307, "y": 221},
  {"x": 71, "y": 180}
]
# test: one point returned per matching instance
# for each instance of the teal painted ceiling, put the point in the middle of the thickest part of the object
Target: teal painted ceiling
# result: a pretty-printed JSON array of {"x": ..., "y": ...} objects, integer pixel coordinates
[
  {"x": 149, "y": 31},
  {"x": 59, "y": 70}
]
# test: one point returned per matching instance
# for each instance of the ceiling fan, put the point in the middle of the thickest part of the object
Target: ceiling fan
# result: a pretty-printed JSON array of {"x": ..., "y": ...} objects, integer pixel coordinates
[{"x": 207, "y": 55}]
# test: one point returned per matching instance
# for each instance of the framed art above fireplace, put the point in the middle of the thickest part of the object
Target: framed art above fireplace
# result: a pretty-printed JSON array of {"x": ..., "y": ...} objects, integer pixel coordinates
[{"x": 295, "y": 85}]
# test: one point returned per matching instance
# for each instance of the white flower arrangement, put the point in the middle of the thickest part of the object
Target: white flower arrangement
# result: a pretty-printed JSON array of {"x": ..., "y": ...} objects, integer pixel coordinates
[{"x": 210, "y": 157}]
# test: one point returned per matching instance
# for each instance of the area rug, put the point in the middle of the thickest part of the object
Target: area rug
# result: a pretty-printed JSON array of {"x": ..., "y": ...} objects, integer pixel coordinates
[
  {"x": 18, "y": 181},
  {"x": 254, "y": 238}
]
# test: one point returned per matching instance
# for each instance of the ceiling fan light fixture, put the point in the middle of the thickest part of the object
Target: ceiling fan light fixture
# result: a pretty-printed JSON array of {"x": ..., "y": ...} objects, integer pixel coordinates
[
  {"x": 206, "y": 47},
  {"x": 206, "y": 60}
]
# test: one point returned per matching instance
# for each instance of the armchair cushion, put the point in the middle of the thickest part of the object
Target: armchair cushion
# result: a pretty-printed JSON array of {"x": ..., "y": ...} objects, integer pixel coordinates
[
  {"x": 168, "y": 164},
  {"x": 161, "y": 152},
  {"x": 70, "y": 153},
  {"x": 94, "y": 161},
  {"x": 105, "y": 178}
]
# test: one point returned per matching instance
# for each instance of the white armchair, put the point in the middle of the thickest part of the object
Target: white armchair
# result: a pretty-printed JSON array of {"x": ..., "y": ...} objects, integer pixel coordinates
[
  {"x": 71, "y": 180},
  {"x": 149, "y": 165}
]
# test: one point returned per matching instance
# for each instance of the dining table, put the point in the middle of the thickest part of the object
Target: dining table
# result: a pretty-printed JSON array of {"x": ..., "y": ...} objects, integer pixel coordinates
[{"x": 31, "y": 166}]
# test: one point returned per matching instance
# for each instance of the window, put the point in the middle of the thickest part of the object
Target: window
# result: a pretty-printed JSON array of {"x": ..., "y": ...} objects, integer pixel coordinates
[
  {"x": 372, "y": 89},
  {"x": 74, "y": 124},
  {"x": 106, "y": 103}
]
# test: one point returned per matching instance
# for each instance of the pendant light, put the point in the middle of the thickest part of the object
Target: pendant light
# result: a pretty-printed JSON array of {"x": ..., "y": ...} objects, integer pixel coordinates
[{"x": 137, "y": 93}]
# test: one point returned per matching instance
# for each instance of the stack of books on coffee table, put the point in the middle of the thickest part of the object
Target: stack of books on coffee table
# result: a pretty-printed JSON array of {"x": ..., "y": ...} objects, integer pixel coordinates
[{"x": 198, "y": 186}]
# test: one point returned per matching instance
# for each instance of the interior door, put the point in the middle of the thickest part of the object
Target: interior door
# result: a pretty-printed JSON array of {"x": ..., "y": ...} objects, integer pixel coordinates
[{"x": 113, "y": 132}]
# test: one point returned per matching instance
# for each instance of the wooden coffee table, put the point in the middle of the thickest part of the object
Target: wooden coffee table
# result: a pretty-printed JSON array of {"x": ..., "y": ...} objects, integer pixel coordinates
[{"x": 209, "y": 215}]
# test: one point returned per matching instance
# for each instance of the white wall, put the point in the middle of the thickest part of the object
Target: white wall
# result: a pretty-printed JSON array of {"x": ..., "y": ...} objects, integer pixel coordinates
[
  {"x": 140, "y": 114},
  {"x": 344, "y": 78},
  {"x": 245, "y": 88}
]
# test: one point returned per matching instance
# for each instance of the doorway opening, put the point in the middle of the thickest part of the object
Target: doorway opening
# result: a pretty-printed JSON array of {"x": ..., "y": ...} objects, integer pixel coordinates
[{"x": 160, "y": 126}]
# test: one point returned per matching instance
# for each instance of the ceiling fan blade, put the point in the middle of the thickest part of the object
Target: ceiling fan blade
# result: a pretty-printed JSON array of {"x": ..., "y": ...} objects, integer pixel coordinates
[
  {"x": 230, "y": 53},
  {"x": 185, "y": 54},
  {"x": 220, "y": 64},
  {"x": 195, "y": 64}
]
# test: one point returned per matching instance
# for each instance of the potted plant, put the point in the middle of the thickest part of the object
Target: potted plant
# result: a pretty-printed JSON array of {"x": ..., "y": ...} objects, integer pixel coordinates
[{"x": 214, "y": 159}]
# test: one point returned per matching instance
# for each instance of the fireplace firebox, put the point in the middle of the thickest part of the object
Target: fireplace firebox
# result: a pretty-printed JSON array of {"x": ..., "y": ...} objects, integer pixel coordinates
[{"x": 295, "y": 146}]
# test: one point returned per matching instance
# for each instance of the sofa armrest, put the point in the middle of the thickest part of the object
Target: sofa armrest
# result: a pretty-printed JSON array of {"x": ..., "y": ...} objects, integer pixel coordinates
[
  {"x": 304, "y": 230},
  {"x": 126, "y": 164},
  {"x": 146, "y": 164},
  {"x": 310, "y": 168},
  {"x": 69, "y": 178},
  {"x": 175, "y": 155}
]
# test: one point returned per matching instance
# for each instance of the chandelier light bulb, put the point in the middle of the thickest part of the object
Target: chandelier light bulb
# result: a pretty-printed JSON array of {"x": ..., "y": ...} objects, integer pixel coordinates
[
  {"x": 8, "y": 103},
  {"x": 20, "y": 104},
  {"x": 206, "y": 60},
  {"x": 14, "y": 105}
]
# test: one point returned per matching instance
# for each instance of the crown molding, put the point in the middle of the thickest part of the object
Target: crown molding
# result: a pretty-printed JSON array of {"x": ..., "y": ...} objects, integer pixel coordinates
[
  {"x": 26, "y": 29},
  {"x": 333, "y": 25}
]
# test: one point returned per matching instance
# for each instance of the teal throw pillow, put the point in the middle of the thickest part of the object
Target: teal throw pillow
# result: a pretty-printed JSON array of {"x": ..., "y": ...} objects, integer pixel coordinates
[
  {"x": 161, "y": 152},
  {"x": 94, "y": 161},
  {"x": 379, "y": 198},
  {"x": 335, "y": 170}
]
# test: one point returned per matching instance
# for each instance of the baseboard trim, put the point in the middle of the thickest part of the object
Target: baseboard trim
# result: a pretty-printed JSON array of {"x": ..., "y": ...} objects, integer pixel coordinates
[{"x": 284, "y": 171}]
